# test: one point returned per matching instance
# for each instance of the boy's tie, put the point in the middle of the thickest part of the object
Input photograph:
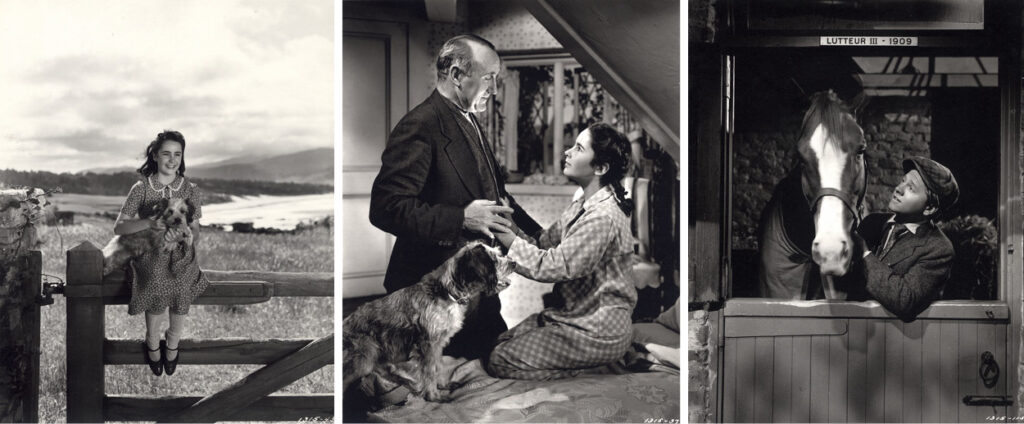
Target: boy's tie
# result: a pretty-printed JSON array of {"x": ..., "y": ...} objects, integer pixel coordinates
[{"x": 897, "y": 231}]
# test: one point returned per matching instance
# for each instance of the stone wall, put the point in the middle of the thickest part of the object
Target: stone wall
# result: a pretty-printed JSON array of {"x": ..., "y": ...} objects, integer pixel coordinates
[
  {"x": 702, "y": 22},
  {"x": 891, "y": 137},
  {"x": 761, "y": 159},
  {"x": 700, "y": 366}
]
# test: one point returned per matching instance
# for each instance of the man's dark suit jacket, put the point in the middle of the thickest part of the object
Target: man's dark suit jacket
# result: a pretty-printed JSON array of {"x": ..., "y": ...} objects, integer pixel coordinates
[
  {"x": 911, "y": 275},
  {"x": 428, "y": 176}
]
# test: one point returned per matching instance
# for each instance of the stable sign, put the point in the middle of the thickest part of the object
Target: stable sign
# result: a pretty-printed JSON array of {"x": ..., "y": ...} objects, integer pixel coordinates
[{"x": 858, "y": 40}]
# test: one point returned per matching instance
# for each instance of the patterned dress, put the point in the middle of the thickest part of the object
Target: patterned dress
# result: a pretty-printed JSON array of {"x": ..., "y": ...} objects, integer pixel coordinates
[
  {"x": 164, "y": 279},
  {"x": 588, "y": 254}
]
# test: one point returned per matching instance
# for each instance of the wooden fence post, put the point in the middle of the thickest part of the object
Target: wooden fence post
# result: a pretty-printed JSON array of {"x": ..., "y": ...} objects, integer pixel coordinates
[
  {"x": 85, "y": 334},
  {"x": 33, "y": 322},
  {"x": 20, "y": 281}
]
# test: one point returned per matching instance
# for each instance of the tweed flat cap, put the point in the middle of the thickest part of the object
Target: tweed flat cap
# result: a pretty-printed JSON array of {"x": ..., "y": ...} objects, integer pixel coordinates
[{"x": 937, "y": 178}]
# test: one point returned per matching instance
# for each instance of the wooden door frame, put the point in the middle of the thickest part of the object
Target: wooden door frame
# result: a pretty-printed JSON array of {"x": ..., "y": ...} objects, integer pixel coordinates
[{"x": 397, "y": 105}]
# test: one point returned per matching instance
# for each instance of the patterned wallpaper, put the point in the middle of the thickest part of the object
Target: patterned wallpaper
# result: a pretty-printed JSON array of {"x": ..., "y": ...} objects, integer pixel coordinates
[
  {"x": 509, "y": 26},
  {"x": 439, "y": 33}
]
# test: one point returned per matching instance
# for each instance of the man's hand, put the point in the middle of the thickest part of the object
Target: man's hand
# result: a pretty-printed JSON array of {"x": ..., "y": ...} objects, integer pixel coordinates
[{"x": 483, "y": 216}]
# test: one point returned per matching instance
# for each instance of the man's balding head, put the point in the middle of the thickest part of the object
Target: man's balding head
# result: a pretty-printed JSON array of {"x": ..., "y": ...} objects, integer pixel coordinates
[{"x": 459, "y": 51}]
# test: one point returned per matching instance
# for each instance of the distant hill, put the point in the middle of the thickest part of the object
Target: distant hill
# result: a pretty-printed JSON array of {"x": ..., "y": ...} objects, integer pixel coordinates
[
  {"x": 111, "y": 170},
  {"x": 315, "y": 166},
  {"x": 119, "y": 183}
]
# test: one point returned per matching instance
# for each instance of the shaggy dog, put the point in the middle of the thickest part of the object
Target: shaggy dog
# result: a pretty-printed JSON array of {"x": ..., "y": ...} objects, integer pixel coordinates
[
  {"x": 171, "y": 214},
  {"x": 399, "y": 337}
]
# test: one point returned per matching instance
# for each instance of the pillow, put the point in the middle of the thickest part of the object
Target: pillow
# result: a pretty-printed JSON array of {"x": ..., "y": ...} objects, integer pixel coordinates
[
  {"x": 670, "y": 318},
  {"x": 645, "y": 333}
]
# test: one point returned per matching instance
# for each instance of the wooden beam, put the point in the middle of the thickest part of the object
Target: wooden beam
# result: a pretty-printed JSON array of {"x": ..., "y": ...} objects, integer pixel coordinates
[
  {"x": 218, "y": 293},
  {"x": 511, "y": 111},
  {"x": 259, "y": 384},
  {"x": 304, "y": 284},
  {"x": 208, "y": 351},
  {"x": 708, "y": 132},
  {"x": 442, "y": 10},
  {"x": 84, "y": 342},
  {"x": 226, "y": 287},
  {"x": 283, "y": 407},
  {"x": 558, "y": 126}
]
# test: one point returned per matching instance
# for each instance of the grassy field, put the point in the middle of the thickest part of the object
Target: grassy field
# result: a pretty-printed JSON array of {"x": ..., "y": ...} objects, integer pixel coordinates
[{"x": 309, "y": 251}]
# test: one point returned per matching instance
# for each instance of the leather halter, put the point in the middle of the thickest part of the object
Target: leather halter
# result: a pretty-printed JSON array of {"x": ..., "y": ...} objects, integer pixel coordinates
[{"x": 844, "y": 197}]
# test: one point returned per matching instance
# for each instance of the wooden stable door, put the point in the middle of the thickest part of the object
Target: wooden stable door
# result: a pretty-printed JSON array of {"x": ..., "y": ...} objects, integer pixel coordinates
[{"x": 818, "y": 361}]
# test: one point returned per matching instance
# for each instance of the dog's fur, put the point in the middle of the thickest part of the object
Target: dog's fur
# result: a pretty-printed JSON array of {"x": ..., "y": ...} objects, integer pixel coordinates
[
  {"x": 399, "y": 337},
  {"x": 172, "y": 213}
]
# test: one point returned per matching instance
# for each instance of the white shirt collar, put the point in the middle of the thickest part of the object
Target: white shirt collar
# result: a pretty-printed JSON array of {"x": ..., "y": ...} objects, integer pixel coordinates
[{"x": 912, "y": 226}]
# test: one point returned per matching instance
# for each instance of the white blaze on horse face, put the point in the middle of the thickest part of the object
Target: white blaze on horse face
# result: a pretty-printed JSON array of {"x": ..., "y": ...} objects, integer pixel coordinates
[{"x": 830, "y": 249}]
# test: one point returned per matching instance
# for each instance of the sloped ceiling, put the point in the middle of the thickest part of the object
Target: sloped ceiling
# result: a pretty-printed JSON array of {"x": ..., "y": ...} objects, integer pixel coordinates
[{"x": 631, "y": 47}]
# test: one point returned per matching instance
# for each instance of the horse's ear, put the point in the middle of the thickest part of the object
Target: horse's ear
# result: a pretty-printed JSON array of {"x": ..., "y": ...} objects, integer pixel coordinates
[{"x": 858, "y": 104}]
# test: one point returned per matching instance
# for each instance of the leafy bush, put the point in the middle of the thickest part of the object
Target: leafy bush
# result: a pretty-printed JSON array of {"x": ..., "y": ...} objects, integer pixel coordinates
[{"x": 975, "y": 240}]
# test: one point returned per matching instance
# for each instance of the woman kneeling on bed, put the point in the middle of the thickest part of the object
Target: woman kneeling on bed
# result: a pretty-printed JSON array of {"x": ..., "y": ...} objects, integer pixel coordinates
[{"x": 588, "y": 254}]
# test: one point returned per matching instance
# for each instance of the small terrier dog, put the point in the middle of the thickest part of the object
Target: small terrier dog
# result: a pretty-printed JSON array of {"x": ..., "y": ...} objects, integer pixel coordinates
[
  {"x": 172, "y": 214},
  {"x": 399, "y": 337}
]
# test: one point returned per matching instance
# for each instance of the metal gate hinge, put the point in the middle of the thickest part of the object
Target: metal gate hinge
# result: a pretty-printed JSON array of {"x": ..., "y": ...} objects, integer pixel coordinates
[{"x": 49, "y": 289}]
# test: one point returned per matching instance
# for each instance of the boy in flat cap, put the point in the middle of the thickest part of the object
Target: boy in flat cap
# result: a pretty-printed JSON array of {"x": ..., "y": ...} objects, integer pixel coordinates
[{"x": 907, "y": 259}]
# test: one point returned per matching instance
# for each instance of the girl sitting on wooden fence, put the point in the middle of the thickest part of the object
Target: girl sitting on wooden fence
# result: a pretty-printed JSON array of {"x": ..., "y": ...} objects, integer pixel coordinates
[{"x": 162, "y": 279}]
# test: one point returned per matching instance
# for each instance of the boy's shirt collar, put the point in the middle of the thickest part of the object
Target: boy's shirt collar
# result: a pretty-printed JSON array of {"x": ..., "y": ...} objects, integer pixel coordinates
[{"x": 912, "y": 226}]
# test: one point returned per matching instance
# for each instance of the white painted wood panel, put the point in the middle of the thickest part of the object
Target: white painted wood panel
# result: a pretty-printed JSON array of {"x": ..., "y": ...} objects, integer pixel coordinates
[
  {"x": 375, "y": 85},
  {"x": 877, "y": 370}
]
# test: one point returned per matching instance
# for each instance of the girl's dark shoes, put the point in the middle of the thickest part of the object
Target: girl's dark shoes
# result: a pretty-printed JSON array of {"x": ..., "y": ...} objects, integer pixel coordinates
[
  {"x": 157, "y": 366},
  {"x": 169, "y": 365}
]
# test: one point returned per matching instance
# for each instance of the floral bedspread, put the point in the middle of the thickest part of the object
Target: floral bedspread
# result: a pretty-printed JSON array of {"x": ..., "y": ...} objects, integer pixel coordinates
[{"x": 631, "y": 397}]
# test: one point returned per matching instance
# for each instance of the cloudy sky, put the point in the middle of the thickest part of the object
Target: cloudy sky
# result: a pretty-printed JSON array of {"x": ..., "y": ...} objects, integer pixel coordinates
[{"x": 88, "y": 83}]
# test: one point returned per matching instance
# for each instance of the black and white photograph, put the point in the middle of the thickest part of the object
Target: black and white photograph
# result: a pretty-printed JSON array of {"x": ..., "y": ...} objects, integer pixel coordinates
[
  {"x": 855, "y": 222},
  {"x": 511, "y": 211},
  {"x": 167, "y": 211}
]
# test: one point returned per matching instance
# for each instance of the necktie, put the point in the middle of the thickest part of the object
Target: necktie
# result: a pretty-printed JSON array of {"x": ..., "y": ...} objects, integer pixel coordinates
[
  {"x": 898, "y": 230},
  {"x": 477, "y": 146},
  {"x": 488, "y": 154}
]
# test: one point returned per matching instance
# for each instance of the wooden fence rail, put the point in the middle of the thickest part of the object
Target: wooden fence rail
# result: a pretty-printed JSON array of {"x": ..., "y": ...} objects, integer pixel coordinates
[{"x": 286, "y": 360}]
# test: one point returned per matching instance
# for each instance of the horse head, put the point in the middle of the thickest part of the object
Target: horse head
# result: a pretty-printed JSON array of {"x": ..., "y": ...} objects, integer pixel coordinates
[{"x": 833, "y": 178}]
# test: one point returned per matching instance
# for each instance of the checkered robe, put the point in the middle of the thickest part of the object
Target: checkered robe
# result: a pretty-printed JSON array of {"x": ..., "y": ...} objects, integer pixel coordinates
[{"x": 588, "y": 254}]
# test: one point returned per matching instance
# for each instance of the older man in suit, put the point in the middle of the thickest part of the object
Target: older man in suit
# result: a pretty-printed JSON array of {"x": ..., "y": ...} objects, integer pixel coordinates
[{"x": 440, "y": 187}]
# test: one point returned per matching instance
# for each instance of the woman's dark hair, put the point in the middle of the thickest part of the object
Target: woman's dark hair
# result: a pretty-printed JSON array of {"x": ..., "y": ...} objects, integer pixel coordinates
[
  {"x": 150, "y": 166},
  {"x": 612, "y": 148}
]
